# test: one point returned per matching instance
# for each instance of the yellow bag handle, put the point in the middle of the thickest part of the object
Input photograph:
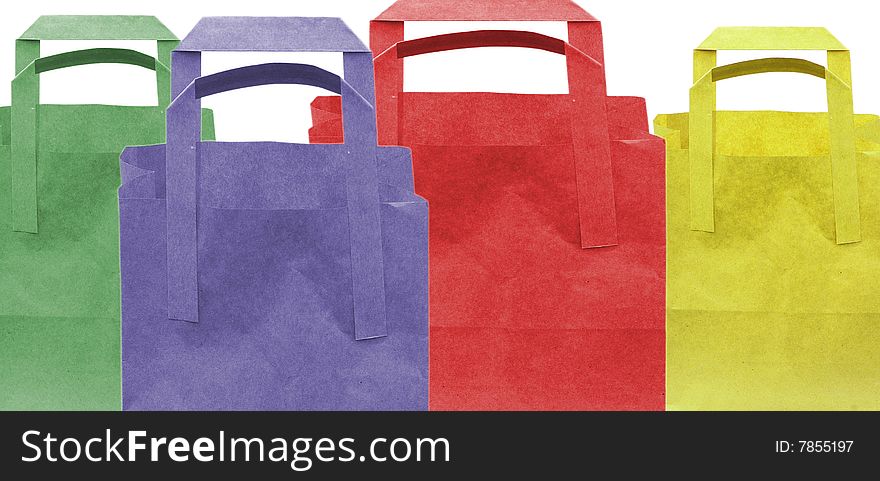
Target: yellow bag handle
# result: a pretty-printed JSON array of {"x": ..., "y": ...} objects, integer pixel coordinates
[
  {"x": 772, "y": 38},
  {"x": 844, "y": 171}
]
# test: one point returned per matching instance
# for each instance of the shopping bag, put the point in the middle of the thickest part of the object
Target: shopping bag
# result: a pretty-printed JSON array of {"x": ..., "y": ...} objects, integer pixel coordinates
[
  {"x": 773, "y": 240},
  {"x": 273, "y": 276},
  {"x": 547, "y": 220},
  {"x": 59, "y": 260}
]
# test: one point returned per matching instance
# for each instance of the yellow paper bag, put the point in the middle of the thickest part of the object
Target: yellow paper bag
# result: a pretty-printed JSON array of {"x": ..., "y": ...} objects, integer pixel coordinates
[{"x": 773, "y": 282}]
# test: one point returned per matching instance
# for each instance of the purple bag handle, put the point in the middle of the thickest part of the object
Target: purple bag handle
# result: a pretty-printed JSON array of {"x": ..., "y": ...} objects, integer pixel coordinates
[
  {"x": 362, "y": 188},
  {"x": 273, "y": 34}
]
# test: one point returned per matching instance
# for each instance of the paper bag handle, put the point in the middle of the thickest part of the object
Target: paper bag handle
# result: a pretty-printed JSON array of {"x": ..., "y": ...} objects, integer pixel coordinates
[
  {"x": 25, "y": 98},
  {"x": 584, "y": 31},
  {"x": 273, "y": 34},
  {"x": 842, "y": 142},
  {"x": 362, "y": 184},
  {"x": 93, "y": 27},
  {"x": 480, "y": 38},
  {"x": 597, "y": 213},
  {"x": 771, "y": 38}
]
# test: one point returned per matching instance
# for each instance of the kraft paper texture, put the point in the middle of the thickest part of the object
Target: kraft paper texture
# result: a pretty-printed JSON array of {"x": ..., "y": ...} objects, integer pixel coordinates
[
  {"x": 59, "y": 229},
  {"x": 547, "y": 220},
  {"x": 773, "y": 241},
  {"x": 267, "y": 275}
]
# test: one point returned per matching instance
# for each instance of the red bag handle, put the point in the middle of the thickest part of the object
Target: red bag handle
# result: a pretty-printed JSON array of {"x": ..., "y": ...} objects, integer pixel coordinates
[
  {"x": 480, "y": 38},
  {"x": 589, "y": 118},
  {"x": 584, "y": 31}
]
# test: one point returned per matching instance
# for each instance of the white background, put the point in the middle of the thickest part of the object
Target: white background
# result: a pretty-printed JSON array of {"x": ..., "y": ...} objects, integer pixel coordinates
[{"x": 648, "y": 53}]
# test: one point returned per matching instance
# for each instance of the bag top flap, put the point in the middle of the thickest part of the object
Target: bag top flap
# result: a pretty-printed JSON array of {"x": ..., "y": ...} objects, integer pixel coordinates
[
  {"x": 485, "y": 10},
  {"x": 272, "y": 34},
  {"x": 97, "y": 27}
]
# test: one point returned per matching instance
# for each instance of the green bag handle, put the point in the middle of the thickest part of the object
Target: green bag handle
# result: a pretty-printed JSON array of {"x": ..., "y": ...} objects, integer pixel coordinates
[
  {"x": 844, "y": 170},
  {"x": 25, "y": 97},
  {"x": 93, "y": 27},
  {"x": 26, "y": 86}
]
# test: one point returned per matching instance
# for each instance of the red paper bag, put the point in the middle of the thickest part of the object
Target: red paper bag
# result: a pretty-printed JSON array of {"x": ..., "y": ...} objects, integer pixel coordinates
[{"x": 547, "y": 244}]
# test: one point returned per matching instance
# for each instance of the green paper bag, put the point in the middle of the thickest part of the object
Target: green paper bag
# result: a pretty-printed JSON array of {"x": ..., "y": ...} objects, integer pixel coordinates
[
  {"x": 773, "y": 238},
  {"x": 59, "y": 228}
]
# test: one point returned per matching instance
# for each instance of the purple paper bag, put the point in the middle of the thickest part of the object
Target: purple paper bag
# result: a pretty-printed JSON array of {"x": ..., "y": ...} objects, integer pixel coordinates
[{"x": 273, "y": 276}]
